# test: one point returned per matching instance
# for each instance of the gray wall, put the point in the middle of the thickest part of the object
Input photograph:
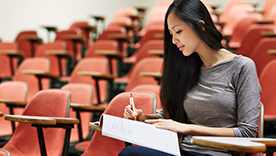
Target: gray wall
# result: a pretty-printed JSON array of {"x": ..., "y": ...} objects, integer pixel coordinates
[{"x": 18, "y": 15}]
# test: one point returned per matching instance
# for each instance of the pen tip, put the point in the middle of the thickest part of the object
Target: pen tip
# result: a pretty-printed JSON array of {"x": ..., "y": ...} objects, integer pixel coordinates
[{"x": 130, "y": 94}]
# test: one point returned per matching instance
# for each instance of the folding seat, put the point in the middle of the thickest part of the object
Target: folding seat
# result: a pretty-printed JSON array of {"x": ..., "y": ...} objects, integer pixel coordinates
[
  {"x": 97, "y": 66},
  {"x": 251, "y": 36},
  {"x": 129, "y": 12},
  {"x": 108, "y": 49},
  {"x": 45, "y": 117},
  {"x": 34, "y": 64},
  {"x": 8, "y": 59},
  {"x": 73, "y": 39},
  {"x": 153, "y": 32},
  {"x": 105, "y": 146},
  {"x": 243, "y": 22},
  {"x": 80, "y": 94},
  {"x": 155, "y": 16},
  {"x": 141, "y": 53},
  {"x": 120, "y": 31},
  {"x": 86, "y": 30},
  {"x": 27, "y": 41},
  {"x": 268, "y": 85},
  {"x": 234, "y": 13},
  {"x": 152, "y": 65},
  {"x": 57, "y": 62},
  {"x": 12, "y": 94},
  {"x": 224, "y": 16},
  {"x": 260, "y": 53},
  {"x": 146, "y": 65},
  {"x": 267, "y": 7}
]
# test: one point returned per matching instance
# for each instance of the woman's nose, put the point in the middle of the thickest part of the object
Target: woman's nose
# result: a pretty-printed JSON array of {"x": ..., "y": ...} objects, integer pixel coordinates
[{"x": 174, "y": 41}]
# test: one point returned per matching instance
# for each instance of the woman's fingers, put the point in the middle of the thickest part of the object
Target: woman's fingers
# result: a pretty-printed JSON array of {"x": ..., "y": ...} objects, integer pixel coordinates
[{"x": 129, "y": 113}]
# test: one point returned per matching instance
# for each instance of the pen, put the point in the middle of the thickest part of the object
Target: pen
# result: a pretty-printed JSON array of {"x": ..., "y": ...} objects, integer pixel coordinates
[{"x": 132, "y": 104}]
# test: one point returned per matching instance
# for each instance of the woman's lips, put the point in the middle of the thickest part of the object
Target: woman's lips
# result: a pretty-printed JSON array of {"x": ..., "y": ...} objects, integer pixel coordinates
[{"x": 180, "y": 48}]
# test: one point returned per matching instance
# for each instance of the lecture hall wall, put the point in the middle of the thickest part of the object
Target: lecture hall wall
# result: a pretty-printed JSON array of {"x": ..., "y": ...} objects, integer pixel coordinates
[{"x": 18, "y": 15}]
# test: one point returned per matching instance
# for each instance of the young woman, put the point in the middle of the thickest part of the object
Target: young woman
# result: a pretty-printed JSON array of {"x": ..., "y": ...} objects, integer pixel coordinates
[{"x": 206, "y": 90}]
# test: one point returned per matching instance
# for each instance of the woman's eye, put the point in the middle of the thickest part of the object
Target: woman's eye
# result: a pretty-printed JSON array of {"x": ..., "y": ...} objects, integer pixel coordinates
[{"x": 179, "y": 31}]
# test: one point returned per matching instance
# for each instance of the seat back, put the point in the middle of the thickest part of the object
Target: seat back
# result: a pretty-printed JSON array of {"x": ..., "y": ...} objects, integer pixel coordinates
[
  {"x": 105, "y": 146},
  {"x": 267, "y": 8},
  {"x": 151, "y": 33},
  {"x": 81, "y": 94},
  {"x": 104, "y": 45},
  {"x": 77, "y": 26},
  {"x": 268, "y": 83},
  {"x": 51, "y": 103},
  {"x": 260, "y": 55},
  {"x": 95, "y": 64},
  {"x": 111, "y": 30},
  {"x": 35, "y": 63},
  {"x": 5, "y": 66},
  {"x": 252, "y": 35},
  {"x": 243, "y": 22},
  {"x": 14, "y": 91},
  {"x": 60, "y": 36},
  {"x": 234, "y": 13},
  {"x": 149, "y": 64},
  {"x": 25, "y": 45},
  {"x": 225, "y": 15},
  {"x": 54, "y": 65}
]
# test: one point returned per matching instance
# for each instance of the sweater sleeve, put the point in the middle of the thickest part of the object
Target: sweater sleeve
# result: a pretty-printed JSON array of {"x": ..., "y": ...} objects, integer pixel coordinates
[{"x": 248, "y": 91}]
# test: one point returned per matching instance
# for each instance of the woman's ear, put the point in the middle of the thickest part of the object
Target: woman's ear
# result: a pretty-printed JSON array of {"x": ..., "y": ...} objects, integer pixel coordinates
[{"x": 203, "y": 24}]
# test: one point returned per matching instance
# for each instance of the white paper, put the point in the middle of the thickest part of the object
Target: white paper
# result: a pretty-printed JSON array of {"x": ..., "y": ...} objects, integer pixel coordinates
[{"x": 140, "y": 133}]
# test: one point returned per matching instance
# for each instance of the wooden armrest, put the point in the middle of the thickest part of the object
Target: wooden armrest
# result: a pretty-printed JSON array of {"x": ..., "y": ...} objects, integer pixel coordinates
[
  {"x": 39, "y": 73},
  {"x": 17, "y": 53},
  {"x": 32, "y": 38},
  {"x": 271, "y": 51},
  {"x": 263, "y": 22},
  {"x": 75, "y": 38},
  {"x": 139, "y": 16},
  {"x": 130, "y": 27},
  {"x": 236, "y": 144},
  {"x": 13, "y": 103},
  {"x": 50, "y": 28},
  {"x": 88, "y": 27},
  {"x": 60, "y": 53},
  {"x": 86, "y": 108},
  {"x": 220, "y": 23},
  {"x": 94, "y": 127},
  {"x": 215, "y": 6},
  {"x": 156, "y": 52},
  {"x": 159, "y": 36},
  {"x": 110, "y": 53},
  {"x": 141, "y": 8},
  {"x": 227, "y": 37},
  {"x": 31, "y": 119},
  {"x": 97, "y": 17},
  {"x": 123, "y": 37},
  {"x": 1, "y": 114},
  {"x": 268, "y": 34},
  {"x": 97, "y": 75},
  {"x": 60, "y": 120},
  {"x": 151, "y": 74}
]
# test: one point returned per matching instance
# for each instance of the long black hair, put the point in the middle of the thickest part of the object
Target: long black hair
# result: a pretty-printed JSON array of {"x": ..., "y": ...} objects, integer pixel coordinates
[{"x": 181, "y": 73}]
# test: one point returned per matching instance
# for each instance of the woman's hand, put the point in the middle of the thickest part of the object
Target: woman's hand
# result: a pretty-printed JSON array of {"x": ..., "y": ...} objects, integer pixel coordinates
[
  {"x": 170, "y": 125},
  {"x": 130, "y": 114}
]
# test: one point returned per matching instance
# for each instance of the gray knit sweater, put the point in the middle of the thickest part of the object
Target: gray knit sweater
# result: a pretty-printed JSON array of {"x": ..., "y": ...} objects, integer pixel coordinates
[{"x": 227, "y": 95}]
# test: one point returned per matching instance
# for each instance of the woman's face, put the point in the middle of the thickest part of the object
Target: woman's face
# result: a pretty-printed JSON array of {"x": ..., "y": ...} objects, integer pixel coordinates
[{"x": 183, "y": 36}]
